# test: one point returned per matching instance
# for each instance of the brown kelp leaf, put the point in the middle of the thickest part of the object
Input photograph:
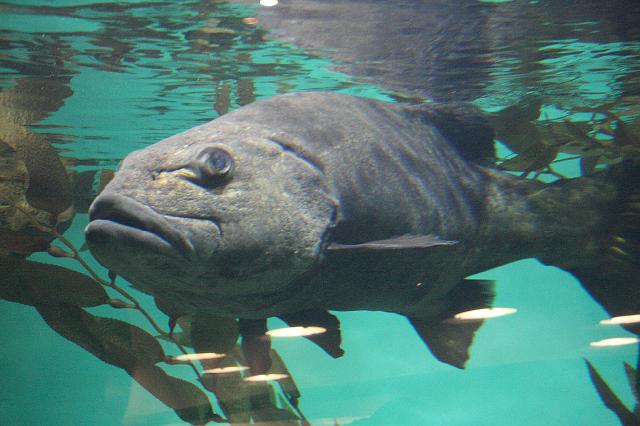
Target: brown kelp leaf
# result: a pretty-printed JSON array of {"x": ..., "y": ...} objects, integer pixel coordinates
[
  {"x": 577, "y": 132},
  {"x": 113, "y": 341},
  {"x": 534, "y": 159},
  {"x": 126, "y": 346},
  {"x": 8, "y": 265},
  {"x": 525, "y": 137},
  {"x": 127, "y": 340},
  {"x": 6, "y": 150},
  {"x": 230, "y": 389},
  {"x": 211, "y": 333},
  {"x": 184, "y": 322},
  {"x": 571, "y": 138},
  {"x": 179, "y": 337},
  {"x": 17, "y": 233},
  {"x": 120, "y": 304},
  {"x": 222, "y": 101},
  {"x": 630, "y": 153},
  {"x": 632, "y": 377},
  {"x": 31, "y": 100},
  {"x": 188, "y": 401},
  {"x": 259, "y": 401},
  {"x": 172, "y": 311},
  {"x": 627, "y": 134},
  {"x": 287, "y": 384},
  {"x": 83, "y": 193},
  {"x": 256, "y": 345},
  {"x": 264, "y": 407},
  {"x": 246, "y": 91},
  {"x": 24, "y": 243},
  {"x": 49, "y": 185},
  {"x": 527, "y": 109},
  {"x": 210, "y": 36},
  {"x": 59, "y": 252},
  {"x": 557, "y": 133},
  {"x": 513, "y": 125},
  {"x": 588, "y": 165},
  {"x": 104, "y": 178},
  {"x": 70, "y": 322},
  {"x": 8, "y": 288},
  {"x": 12, "y": 167},
  {"x": 35, "y": 283},
  {"x": 610, "y": 399}
]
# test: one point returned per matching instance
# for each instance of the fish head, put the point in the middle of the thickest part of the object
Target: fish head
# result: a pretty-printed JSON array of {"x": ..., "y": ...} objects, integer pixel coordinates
[{"x": 219, "y": 210}]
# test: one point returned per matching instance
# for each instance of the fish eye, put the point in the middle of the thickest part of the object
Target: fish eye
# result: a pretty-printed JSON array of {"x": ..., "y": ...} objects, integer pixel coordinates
[{"x": 213, "y": 163}]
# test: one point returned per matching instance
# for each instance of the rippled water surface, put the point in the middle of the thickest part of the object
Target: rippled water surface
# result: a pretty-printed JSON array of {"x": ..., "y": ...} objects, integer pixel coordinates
[{"x": 100, "y": 79}]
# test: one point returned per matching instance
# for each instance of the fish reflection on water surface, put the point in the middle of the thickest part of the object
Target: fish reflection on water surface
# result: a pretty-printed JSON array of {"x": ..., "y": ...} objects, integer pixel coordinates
[{"x": 311, "y": 202}]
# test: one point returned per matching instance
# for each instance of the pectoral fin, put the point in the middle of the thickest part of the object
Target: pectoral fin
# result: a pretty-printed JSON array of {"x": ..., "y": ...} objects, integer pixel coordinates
[
  {"x": 402, "y": 242},
  {"x": 449, "y": 341}
]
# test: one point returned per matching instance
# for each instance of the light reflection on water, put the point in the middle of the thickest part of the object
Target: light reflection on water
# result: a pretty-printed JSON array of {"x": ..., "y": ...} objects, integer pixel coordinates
[{"x": 132, "y": 73}]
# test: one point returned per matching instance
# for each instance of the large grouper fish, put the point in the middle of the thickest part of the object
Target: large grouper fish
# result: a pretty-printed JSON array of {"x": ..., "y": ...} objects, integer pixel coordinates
[{"x": 310, "y": 202}]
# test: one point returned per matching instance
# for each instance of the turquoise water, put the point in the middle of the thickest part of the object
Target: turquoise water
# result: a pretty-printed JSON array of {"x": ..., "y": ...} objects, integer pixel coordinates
[{"x": 142, "y": 71}]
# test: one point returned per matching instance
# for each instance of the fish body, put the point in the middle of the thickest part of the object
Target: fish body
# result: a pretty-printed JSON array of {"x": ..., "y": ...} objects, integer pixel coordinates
[{"x": 319, "y": 201}]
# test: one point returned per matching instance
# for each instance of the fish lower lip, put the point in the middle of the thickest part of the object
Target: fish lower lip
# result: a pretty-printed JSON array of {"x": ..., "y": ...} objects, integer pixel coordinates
[{"x": 134, "y": 219}]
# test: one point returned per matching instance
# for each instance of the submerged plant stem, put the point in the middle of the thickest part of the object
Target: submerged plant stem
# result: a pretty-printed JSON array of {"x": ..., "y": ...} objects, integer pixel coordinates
[{"x": 110, "y": 284}]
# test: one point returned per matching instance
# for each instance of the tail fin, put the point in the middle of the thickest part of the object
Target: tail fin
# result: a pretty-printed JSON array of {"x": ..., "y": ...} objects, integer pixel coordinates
[
  {"x": 610, "y": 270},
  {"x": 612, "y": 275}
]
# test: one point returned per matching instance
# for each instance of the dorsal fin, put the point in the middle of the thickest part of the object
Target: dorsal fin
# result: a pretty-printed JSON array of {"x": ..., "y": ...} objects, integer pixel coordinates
[{"x": 465, "y": 126}]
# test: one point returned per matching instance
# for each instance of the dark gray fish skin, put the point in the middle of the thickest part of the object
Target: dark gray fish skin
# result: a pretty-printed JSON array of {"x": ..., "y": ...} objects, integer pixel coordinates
[{"x": 311, "y": 169}]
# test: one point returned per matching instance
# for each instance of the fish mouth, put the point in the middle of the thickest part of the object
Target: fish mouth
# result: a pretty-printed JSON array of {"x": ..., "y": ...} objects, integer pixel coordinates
[{"x": 122, "y": 219}]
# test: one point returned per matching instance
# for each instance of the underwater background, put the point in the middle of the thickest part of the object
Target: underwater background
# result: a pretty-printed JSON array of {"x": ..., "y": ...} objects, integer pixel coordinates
[{"x": 101, "y": 79}]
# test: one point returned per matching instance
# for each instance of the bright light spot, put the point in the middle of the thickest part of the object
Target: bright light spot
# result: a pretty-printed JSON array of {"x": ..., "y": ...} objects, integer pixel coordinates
[
  {"x": 268, "y": 3},
  {"x": 225, "y": 370},
  {"x": 616, "y": 341},
  {"x": 485, "y": 313},
  {"x": 265, "y": 377},
  {"x": 627, "y": 319},
  {"x": 197, "y": 357},
  {"x": 295, "y": 331}
]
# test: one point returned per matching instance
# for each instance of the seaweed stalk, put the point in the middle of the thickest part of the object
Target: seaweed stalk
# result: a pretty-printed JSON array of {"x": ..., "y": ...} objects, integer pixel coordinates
[{"x": 75, "y": 254}]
